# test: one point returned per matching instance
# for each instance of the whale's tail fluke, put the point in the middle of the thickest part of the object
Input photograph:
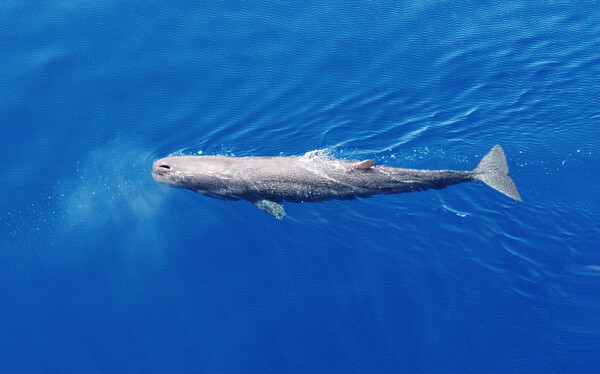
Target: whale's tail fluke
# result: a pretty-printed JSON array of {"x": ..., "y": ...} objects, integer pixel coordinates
[{"x": 493, "y": 171}]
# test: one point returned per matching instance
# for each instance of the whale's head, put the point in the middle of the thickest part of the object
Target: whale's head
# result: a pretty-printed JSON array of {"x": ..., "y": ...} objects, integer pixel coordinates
[{"x": 198, "y": 173}]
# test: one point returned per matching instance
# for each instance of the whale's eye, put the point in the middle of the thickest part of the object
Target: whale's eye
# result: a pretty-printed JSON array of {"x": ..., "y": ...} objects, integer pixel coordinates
[{"x": 165, "y": 166}]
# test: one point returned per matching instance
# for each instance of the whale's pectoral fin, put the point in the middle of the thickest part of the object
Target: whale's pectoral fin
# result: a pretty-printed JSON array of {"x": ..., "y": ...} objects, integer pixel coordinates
[
  {"x": 364, "y": 165},
  {"x": 271, "y": 207}
]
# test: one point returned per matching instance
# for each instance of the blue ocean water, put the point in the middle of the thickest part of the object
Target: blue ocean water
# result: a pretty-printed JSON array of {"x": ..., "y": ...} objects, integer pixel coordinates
[{"x": 104, "y": 270}]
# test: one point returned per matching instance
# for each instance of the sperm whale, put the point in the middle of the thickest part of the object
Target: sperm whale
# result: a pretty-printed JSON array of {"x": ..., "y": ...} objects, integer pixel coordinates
[{"x": 269, "y": 181}]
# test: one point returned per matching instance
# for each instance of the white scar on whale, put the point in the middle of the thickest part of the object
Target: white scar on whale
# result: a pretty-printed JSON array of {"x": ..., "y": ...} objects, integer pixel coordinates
[{"x": 269, "y": 181}]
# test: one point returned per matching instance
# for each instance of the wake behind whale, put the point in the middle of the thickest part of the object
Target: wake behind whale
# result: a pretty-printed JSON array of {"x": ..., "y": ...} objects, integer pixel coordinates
[{"x": 269, "y": 181}]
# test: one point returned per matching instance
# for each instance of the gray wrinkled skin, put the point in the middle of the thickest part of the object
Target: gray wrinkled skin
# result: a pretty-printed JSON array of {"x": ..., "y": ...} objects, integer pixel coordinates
[
  {"x": 268, "y": 181},
  {"x": 295, "y": 179}
]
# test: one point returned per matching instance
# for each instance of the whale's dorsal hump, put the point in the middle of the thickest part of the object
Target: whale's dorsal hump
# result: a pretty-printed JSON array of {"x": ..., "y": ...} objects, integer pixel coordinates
[{"x": 364, "y": 165}]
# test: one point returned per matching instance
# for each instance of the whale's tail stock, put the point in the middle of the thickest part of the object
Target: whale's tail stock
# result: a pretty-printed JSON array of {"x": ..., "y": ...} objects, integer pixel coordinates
[{"x": 493, "y": 171}]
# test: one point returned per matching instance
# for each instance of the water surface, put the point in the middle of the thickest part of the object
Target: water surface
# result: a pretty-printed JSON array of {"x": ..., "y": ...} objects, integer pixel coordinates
[{"x": 103, "y": 270}]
